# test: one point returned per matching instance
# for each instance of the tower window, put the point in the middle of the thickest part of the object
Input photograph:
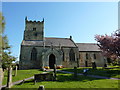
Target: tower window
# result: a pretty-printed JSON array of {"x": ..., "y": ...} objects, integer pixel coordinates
[{"x": 34, "y": 29}]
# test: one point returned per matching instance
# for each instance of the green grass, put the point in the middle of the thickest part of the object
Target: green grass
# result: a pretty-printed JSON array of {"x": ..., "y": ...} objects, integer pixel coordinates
[
  {"x": 68, "y": 81},
  {"x": 99, "y": 71},
  {"x": 21, "y": 74}
]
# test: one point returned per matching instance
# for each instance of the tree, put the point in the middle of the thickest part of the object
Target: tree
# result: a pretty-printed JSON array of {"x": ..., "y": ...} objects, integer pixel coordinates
[
  {"x": 110, "y": 45},
  {"x": 6, "y": 58},
  {"x": 5, "y": 55}
]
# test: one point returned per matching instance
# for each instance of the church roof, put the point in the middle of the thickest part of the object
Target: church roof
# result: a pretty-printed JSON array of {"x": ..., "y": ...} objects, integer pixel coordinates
[
  {"x": 88, "y": 47},
  {"x": 64, "y": 42}
]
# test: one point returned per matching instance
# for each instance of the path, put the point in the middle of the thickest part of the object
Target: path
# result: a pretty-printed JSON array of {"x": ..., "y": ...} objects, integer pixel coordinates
[
  {"x": 95, "y": 76},
  {"x": 17, "y": 82}
]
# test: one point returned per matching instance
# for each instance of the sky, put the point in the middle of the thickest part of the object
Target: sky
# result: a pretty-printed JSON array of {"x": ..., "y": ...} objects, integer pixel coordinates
[{"x": 81, "y": 20}]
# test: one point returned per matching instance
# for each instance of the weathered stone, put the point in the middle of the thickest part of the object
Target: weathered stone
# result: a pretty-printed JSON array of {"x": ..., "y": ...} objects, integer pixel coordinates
[
  {"x": 75, "y": 72},
  {"x": 94, "y": 65},
  {"x": 1, "y": 77},
  {"x": 38, "y": 51},
  {"x": 54, "y": 74},
  {"x": 41, "y": 87},
  {"x": 45, "y": 76},
  {"x": 15, "y": 70}
]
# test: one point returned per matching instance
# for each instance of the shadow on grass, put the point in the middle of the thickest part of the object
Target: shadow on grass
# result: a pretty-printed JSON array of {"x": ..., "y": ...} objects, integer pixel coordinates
[
  {"x": 99, "y": 72},
  {"x": 61, "y": 77},
  {"x": 28, "y": 81},
  {"x": 70, "y": 77}
]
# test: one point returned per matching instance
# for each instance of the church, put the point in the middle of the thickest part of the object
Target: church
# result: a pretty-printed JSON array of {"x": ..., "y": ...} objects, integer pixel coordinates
[{"x": 38, "y": 51}]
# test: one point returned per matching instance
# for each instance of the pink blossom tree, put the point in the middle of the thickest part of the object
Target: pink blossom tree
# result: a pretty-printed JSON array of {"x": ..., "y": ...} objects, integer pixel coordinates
[{"x": 110, "y": 45}]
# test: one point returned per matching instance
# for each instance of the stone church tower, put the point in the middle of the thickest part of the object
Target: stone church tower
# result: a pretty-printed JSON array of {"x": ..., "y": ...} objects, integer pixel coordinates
[
  {"x": 38, "y": 51},
  {"x": 34, "y": 30}
]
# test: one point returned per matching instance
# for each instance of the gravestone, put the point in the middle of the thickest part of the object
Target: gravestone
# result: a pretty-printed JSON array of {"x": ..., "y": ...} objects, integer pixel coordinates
[
  {"x": 55, "y": 78},
  {"x": 1, "y": 77},
  {"x": 1, "y": 72},
  {"x": 105, "y": 65},
  {"x": 94, "y": 65},
  {"x": 41, "y": 87},
  {"x": 15, "y": 70},
  {"x": 75, "y": 72},
  {"x": 9, "y": 80}
]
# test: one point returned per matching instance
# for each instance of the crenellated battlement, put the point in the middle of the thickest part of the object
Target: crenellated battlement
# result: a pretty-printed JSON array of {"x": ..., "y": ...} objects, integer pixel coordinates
[{"x": 30, "y": 21}]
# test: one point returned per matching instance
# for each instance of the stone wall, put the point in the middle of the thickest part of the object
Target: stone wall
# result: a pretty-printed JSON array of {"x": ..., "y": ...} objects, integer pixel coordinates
[
  {"x": 99, "y": 60},
  {"x": 66, "y": 59},
  {"x": 25, "y": 57},
  {"x": 43, "y": 57}
]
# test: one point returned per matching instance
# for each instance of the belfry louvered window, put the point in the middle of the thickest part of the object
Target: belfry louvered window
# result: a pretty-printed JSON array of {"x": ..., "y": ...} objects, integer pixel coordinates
[
  {"x": 72, "y": 55},
  {"x": 34, "y": 54}
]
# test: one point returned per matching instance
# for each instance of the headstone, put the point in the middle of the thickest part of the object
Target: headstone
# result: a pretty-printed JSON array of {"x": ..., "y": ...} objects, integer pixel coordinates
[
  {"x": 55, "y": 72},
  {"x": 1, "y": 77},
  {"x": 15, "y": 70},
  {"x": 23, "y": 81},
  {"x": 1, "y": 71},
  {"x": 75, "y": 72},
  {"x": 93, "y": 65},
  {"x": 9, "y": 79},
  {"x": 41, "y": 87},
  {"x": 105, "y": 65},
  {"x": 34, "y": 82},
  {"x": 85, "y": 72}
]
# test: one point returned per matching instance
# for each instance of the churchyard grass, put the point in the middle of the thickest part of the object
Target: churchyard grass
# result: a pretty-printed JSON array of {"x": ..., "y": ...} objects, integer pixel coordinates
[
  {"x": 115, "y": 72},
  {"x": 21, "y": 74},
  {"x": 68, "y": 81}
]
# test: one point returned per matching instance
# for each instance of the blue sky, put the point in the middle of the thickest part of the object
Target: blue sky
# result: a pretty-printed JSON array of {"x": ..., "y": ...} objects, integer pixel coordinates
[{"x": 81, "y": 20}]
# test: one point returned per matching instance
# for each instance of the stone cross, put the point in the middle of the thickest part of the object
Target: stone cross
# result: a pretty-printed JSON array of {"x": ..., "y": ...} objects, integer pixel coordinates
[
  {"x": 75, "y": 72},
  {"x": 55, "y": 72},
  {"x": 9, "y": 80}
]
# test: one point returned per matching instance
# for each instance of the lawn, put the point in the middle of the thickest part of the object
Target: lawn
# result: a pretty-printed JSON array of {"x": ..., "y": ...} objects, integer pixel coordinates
[
  {"x": 115, "y": 72},
  {"x": 21, "y": 74},
  {"x": 68, "y": 81}
]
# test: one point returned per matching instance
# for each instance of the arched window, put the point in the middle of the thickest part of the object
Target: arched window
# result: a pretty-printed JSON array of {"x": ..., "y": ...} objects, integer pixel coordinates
[
  {"x": 34, "y": 54},
  {"x": 72, "y": 55}
]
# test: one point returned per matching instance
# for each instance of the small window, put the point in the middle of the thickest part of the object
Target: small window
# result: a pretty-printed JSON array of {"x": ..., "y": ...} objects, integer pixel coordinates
[
  {"x": 34, "y": 29},
  {"x": 63, "y": 56},
  {"x": 86, "y": 56},
  {"x": 94, "y": 56}
]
